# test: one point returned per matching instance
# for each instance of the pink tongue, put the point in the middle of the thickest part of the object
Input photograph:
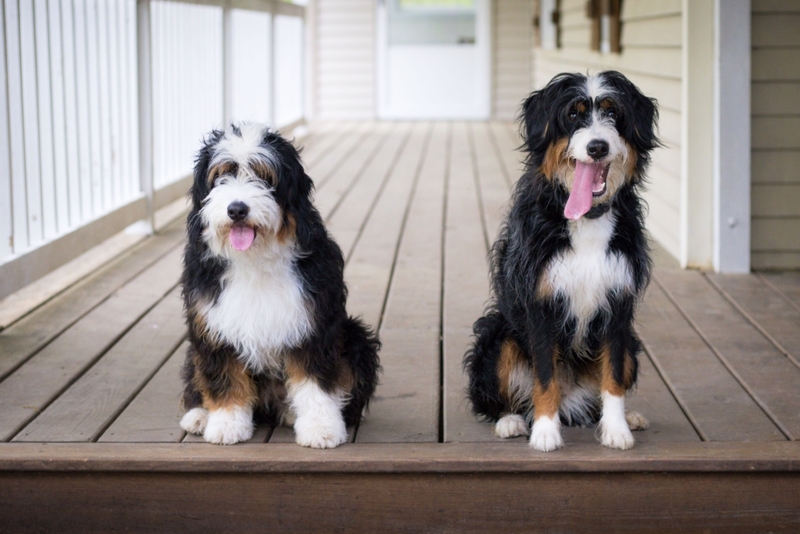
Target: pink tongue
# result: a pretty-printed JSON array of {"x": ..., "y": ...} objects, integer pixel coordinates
[
  {"x": 242, "y": 237},
  {"x": 580, "y": 198}
]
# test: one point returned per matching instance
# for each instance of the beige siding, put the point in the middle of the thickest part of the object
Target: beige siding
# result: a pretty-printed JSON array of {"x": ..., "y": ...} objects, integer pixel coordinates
[
  {"x": 651, "y": 58},
  {"x": 511, "y": 66},
  {"x": 345, "y": 59},
  {"x": 775, "y": 196}
]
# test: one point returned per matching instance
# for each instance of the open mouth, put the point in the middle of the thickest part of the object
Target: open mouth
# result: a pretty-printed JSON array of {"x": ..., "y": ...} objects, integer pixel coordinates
[
  {"x": 242, "y": 236},
  {"x": 589, "y": 182}
]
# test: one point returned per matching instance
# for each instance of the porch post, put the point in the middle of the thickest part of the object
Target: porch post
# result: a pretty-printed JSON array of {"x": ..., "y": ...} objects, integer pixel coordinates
[
  {"x": 697, "y": 137},
  {"x": 144, "y": 67},
  {"x": 732, "y": 143}
]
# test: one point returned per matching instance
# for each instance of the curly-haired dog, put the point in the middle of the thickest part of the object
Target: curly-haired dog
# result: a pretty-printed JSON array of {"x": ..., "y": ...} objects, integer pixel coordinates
[
  {"x": 264, "y": 297},
  {"x": 557, "y": 344}
]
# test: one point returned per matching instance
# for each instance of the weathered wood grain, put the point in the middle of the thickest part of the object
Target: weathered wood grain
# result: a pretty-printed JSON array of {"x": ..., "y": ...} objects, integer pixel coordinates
[
  {"x": 407, "y": 403},
  {"x": 29, "y": 390},
  {"x": 153, "y": 415},
  {"x": 768, "y": 376},
  {"x": 84, "y": 410},
  {"x": 28, "y": 335},
  {"x": 714, "y": 399}
]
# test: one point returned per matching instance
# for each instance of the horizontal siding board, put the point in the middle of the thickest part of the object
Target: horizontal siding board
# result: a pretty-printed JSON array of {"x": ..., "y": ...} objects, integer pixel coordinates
[
  {"x": 656, "y": 62},
  {"x": 651, "y": 9},
  {"x": 665, "y": 186},
  {"x": 779, "y": 98},
  {"x": 775, "y": 200},
  {"x": 779, "y": 234},
  {"x": 776, "y": 132},
  {"x": 664, "y": 31},
  {"x": 775, "y": 166},
  {"x": 775, "y": 6},
  {"x": 776, "y": 64},
  {"x": 774, "y": 260},
  {"x": 776, "y": 30}
]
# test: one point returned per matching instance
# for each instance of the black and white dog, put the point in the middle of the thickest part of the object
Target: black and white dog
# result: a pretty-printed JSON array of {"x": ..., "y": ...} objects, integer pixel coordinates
[
  {"x": 264, "y": 298},
  {"x": 557, "y": 343}
]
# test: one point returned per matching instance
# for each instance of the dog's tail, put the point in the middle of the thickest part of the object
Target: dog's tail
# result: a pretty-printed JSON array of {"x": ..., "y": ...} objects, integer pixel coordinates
[
  {"x": 481, "y": 364},
  {"x": 361, "y": 346}
]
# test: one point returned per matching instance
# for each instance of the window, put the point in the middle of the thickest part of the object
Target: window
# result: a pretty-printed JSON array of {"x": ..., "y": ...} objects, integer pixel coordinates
[{"x": 606, "y": 25}]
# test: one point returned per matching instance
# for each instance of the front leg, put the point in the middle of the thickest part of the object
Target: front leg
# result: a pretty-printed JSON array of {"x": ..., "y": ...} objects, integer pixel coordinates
[
  {"x": 546, "y": 431},
  {"x": 318, "y": 413},
  {"x": 228, "y": 395},
  {"x": 618, "y": 374}
]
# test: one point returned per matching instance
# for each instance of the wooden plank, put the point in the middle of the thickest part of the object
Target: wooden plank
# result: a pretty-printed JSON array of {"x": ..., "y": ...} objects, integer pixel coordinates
[
  {"x": 498, "y": 457},
  {"x": 321, "y": 169},
  {"x": 92, "y": 403},
  {"x": 494, "y": 188},
  {"x": 463, "y": 502},
  {"x": 769, "y": 377},
  {"x": 369, "y": 268},
  {"x": 351, "y": 169},
  {"x": 31, "y": 388},
  {"x": 27, "y": 336},
  {"x": 30, "y": 297},
  {"x": 350, "y": 212},
  {"x": 407, "y": 403},
  {"x": 785, "y": 283},
  {"x": 773, "y": 98},
  {"x": 722, "y": 410},
  {"x": 466, "y": 283},
  {"x": 153, "y": 415},
  {"x": 776, "y": 132},
  {"x": 775, "y": 64},
  {"x": 770, "y": 312}
]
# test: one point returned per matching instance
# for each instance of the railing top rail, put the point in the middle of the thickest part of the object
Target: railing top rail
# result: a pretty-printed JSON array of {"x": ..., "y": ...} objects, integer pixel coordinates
[{"x": 277, "y": 7}]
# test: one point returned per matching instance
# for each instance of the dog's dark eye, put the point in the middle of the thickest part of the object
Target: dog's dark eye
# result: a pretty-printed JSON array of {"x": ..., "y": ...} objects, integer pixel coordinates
[
  {"x": 611, "y": 113},
  {"x": 573, "y": 115}
]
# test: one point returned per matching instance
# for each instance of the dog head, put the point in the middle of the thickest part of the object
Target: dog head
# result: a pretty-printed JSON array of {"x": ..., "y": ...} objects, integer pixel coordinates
[
  {"x": 249, "y": 192},
  {"x": 589, "y": 134}
]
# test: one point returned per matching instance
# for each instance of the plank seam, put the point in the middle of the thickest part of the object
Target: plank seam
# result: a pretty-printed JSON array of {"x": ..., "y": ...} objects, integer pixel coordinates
[
  {"x": 671, "y": 387},
  {"x": 341, "y": 161},
  {"x": 478, "y": 190},
  {"x": 443, "y": 266},
  {"x": 360, "y": 172},
  {"x": 778, "y": 292},
  {"x": 56, "y": 335},
  {"x": 752, "y": 321},
  {"x": 726, "y": 363},
  {"x": 401, "y": 149},
  {"x": 500, "y": 159},
  {"x": 85, "y": 369},
  {"x": 412, "y": 193},
  {"x": 124, "y": 405}
]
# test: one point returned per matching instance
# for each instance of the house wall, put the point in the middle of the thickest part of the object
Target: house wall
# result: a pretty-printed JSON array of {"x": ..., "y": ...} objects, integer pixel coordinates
[
  {"x": 652, "y": 58},
  {"x": 345, "y": 69},
  {"x": 345, "y": 59},
  {"x": 512, "y": 55},
  {"x": 775, "y": 194}
]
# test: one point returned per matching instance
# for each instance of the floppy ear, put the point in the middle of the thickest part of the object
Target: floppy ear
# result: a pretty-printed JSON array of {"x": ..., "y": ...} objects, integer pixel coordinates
[
  {"x": 200, "y": 186},
  {"x": 641, "y": 114},
  {"x": 543, "y": 115},
  {"x": 293, "y": 188}
]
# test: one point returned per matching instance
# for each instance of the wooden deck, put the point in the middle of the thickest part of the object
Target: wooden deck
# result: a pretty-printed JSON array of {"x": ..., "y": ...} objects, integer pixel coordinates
[{"x": 89, "y": 387}]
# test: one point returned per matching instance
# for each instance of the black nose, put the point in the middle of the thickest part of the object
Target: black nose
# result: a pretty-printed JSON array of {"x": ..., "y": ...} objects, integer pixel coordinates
[
  {"x": 596, "y": 148},
  {"x": 237, "y": 210}
]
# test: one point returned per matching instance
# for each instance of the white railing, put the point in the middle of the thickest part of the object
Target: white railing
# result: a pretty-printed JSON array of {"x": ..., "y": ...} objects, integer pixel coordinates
[{"x": 103, "y": 104}]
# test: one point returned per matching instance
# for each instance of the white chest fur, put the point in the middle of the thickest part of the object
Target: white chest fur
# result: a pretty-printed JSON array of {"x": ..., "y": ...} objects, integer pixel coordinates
[
  {"x": 586, "y": 273},
  {"x": 261, "y": 311}
]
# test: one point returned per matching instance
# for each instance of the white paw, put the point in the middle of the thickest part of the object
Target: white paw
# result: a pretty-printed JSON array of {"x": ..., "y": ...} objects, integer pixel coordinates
[
  {"x": 320, "y": 433},
  {"x": 194, "y": 421},
  {"x": 511, "y": 426},
  {"x": 615, "y": 435},
  {"x": 636, "y": 421},
  {"x": 229, "y": 426},
  {"x": 546, "y": 434}
]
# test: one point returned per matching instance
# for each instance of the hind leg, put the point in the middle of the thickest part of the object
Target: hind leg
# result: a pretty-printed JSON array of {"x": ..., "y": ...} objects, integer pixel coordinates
[
  {"x": 319, "y": 422},
  {"x": 515, "y": 387},
  {"x": 228, "y": 395}
]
